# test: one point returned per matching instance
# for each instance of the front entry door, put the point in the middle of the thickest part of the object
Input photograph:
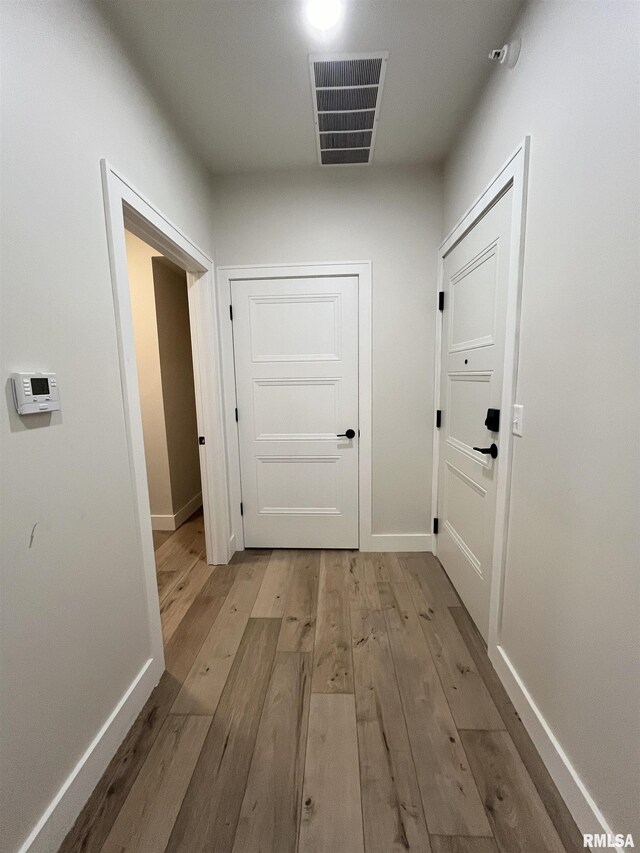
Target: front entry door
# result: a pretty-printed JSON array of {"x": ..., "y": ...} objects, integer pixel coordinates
[
  {"x": 296, "y": 360},
  {"x": 475, "y": 283}
]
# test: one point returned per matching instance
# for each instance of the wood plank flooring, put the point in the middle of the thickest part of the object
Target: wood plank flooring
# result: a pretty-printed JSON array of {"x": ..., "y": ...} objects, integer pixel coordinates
[{"x": 321, "y": 702}]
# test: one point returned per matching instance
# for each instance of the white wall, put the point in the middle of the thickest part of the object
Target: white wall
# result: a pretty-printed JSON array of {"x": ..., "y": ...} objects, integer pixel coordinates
[
  {"x": 72, "y": 621},
  {"x": 393, "y": 218},
  {"x": 572, "y": 585},
  {"x": 73, "y": 618}
]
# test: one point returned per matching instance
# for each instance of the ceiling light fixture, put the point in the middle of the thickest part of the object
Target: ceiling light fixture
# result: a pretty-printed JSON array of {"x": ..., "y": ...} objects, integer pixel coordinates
[{"x": 324, "y": 14}]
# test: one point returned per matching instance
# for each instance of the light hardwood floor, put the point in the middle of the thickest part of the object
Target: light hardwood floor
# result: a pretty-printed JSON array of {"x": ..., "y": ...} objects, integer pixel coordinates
[{"x": 321, "y": 702}]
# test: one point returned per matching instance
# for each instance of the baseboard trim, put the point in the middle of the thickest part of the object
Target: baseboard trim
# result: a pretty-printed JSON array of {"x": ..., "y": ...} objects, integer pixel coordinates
[
  {"x": 579, "y": 801},
  {"x": 173, "y": 522},
  {"x": 398, "y": 542},
  {"x": 50, "y": 831}
]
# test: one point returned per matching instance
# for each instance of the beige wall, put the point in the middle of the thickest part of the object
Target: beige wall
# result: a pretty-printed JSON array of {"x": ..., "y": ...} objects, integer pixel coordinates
[
  {"x": 160, "y": 310},
  {"x": 145, "y": 327},
  {"x": 391, "y": 217},
  {"x": 178, "y": 393},
  {"x": 572, "y": 591}
]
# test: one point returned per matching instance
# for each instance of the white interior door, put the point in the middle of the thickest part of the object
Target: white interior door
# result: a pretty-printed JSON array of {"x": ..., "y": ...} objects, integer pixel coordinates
[
  {"x": 296, "y": 360},
  {"x": 475, "y": 283}
]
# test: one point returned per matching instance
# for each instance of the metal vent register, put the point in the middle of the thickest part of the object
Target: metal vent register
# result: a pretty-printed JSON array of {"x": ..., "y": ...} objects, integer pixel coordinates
[{"x": 347, "y": 91}]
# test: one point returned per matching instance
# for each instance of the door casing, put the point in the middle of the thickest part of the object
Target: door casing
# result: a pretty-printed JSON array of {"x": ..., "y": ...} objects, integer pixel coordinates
[
  {"x": 570, "y": 786},
  {"x": 124, "y": 208},
  {"x": 513, "y": 174},
  {"x": 225, "y": 276}
]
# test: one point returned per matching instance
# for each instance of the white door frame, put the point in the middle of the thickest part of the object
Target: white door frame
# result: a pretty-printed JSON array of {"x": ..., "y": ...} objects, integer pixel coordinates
[
  {"x": 362, "y": 269},
  {"x": 513, "y": 174},
  {"x": 573, "y": 791},
  {"x": 126, "y": 207}
]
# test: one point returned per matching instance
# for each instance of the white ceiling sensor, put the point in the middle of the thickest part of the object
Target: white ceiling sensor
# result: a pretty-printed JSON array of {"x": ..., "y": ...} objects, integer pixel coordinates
[{"x": 347, "y": 92}]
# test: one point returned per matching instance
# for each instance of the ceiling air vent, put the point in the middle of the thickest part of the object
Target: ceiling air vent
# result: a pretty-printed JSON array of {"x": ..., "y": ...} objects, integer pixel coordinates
[{"x": 347, "y": 91}]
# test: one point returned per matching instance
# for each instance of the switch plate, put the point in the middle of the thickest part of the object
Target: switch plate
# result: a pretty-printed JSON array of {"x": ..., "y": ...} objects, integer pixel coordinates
[{"x": 518, "y": 418}]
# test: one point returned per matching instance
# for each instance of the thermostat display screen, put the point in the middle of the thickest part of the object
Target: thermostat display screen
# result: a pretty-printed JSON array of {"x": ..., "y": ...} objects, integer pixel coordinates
[{"x": 39, "y": 385}]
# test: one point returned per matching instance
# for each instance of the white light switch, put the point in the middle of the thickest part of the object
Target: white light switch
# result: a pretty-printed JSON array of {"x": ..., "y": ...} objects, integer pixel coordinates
[{"x": 518, "y": 417}]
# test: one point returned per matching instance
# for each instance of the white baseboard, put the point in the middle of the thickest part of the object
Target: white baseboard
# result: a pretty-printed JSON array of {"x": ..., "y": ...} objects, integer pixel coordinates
[
  {"x": 398, "y": 542},
  {"x": 50, "y": 831},
  {"x": 579, "y": 801},
  {"x": 173, "y": 522}
]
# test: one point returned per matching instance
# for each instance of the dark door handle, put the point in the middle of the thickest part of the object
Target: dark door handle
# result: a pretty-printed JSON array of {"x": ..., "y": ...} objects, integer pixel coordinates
[
  {"x": 350, "y": 433},
  {"x": 490, "y": 451}
]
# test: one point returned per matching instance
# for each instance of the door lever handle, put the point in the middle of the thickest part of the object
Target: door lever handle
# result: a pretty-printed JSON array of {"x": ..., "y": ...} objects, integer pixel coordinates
[
  {"x": 350, "y": 433},
  {"x": 490, "y": 451}
]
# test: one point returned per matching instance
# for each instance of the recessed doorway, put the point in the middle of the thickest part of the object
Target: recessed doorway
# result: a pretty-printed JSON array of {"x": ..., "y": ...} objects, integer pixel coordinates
[
  {"x": 127, "y": 211},
  {"x": 160, "y": 312}
]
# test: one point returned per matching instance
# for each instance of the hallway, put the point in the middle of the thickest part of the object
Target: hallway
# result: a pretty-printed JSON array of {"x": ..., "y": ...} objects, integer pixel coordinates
[
  {"x": 400, "y": 246},
  {"x": 321, "y": 701}
]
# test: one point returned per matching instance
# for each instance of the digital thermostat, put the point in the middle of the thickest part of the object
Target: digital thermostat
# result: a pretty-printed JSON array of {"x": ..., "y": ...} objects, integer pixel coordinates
[{"x": 35, "y": 392}]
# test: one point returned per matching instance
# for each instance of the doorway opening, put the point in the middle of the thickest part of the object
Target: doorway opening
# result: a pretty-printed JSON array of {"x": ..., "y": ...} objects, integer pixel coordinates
[
  {"x": 177, "y": 259},
  {"x": 163, "y": 348}
]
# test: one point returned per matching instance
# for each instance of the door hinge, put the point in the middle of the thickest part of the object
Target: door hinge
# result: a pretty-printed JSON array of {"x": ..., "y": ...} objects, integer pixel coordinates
[
  {"x": 241, "y": 508},
  {"x": 236, "y": 416},
  {"x": 231, "y": 313},
  {"x": 435, "y": 525},
  {"x": 441, "y": 300},
  {"x": 438, "y": 418},
  {"x": 201, "y": 439}
]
